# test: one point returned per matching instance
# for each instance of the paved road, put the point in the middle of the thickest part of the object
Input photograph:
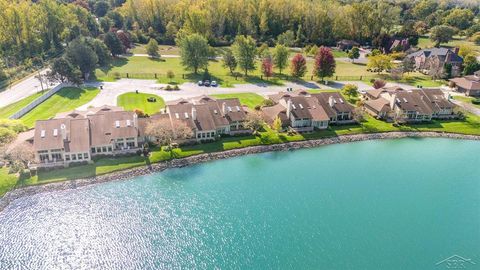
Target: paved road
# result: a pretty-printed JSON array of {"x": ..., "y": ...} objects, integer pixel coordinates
[
  {"x": 22, "y": 89},
  {"x": 111, "y": 90}
]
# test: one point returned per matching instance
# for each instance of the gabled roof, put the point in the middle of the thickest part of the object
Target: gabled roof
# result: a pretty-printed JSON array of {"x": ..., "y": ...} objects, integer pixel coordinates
[
  {"x": 340, "y": 105},
  {"x": 109, "y": 125},
  {"x": 413, "y": 101},
  {"x": 379, "y": 105},
  {"x": 438, "y": 52},
  {"x": 73, "y": 135},
  {"x": 467, "y": 82}
]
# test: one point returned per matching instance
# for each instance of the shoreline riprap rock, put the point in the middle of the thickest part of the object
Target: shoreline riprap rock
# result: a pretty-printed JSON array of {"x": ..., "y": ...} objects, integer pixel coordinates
[{"x": 201, "y": 158}]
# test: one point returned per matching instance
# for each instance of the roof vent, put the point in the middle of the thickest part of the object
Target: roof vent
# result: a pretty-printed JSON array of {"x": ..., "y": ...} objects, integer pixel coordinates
[
  {"x": 186, "y": 115},
  {"x": 293, "y": 106},
  {"x": 229, "y": 109},
  {"x": 341, "y": 100},
  {"x": 129, "y": 123},
  {"x": 404, "y": 99},
  {"x": 42, "y": 133},
  {"x": 55, "y": 132},
  {"x": 117, "y": 124},
  {"x": 238, "y": 108},
  {"x": 177, "y": 116},
  {"x": 215, "y": 111},
  {"x": 301, "y": 106}
]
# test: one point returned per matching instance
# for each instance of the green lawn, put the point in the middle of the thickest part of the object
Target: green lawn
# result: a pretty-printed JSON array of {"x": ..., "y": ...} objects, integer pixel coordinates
[
  {"x": 466, "y": 100},
  {"x": 425, "y": 42},
  {"x": 9, "y": 110},
  {"x": 249, "y": 99},
  {"x": 66, "y": 99},
  {"x": 162, "y": 49},
  {"x": 7, "y": 181},
  {"x": 132, "y": 101}
]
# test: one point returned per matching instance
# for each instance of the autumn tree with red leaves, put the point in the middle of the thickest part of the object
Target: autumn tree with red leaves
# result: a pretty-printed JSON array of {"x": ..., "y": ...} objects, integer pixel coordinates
[
  {"x": 324, "y": 63},
  {"x": 298, "y": 68},
  {"x": 267, "y": 67}
]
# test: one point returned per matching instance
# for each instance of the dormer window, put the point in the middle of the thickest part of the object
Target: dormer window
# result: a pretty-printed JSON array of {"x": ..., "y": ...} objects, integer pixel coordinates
[
  {"x": 177, "y": 115},
  {"x": 129, "y": 123},
  {"x": 42, "y": 133},
  {"x": 117, "y": 124},
  {"x": 55, "y": 132}
]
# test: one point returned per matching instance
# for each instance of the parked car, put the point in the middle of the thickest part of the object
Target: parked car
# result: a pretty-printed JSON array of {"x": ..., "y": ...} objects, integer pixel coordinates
[
  {"x": 200, "y": 83},
  {"x": 206, "y": 83},
  {"x": 214, "y": 84}
]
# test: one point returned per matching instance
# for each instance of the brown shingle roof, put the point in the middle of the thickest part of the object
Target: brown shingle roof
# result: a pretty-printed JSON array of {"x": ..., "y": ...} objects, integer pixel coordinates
[
  {"x": 467, "y": 82},
  {"x": 339, "y": 103},
  {"x": 413, "y": 101},
  {"x": 103, "y": 126},
  {"x": 74, "y": 137},
  {"x": 379, "y": 105}
]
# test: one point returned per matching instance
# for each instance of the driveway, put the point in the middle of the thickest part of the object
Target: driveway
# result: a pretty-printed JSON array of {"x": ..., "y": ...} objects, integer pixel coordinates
[{"x": 27, "y": 87}]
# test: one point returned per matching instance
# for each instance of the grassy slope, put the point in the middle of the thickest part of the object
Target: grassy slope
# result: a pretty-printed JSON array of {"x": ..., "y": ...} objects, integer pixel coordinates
[
  {"x": 470, "y": 126},
  {"x": 64, "y": 100},
  {"x": 7, "y": 111},
  {"x": 249, "y": 99},
  {"x": 466, "y": 100},
  {"x": 132, "y": 101},
  {"x": 7, "y": 181}
]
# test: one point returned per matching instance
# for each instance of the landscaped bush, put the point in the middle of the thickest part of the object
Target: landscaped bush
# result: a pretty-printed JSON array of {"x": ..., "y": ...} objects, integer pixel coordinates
[
  {"x": 267, "y": 103},
  {"x": 168, "y": 87},
  {"x": 175, "y": 87},
  {"x": 476, "y": 101}
]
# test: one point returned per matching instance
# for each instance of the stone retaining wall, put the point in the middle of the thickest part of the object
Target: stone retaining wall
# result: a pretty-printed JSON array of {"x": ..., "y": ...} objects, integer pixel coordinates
[{"x": 201, "y": 158}]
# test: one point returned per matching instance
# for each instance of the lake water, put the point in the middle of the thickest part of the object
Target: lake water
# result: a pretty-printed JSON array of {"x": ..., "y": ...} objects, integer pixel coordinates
[{"x": 394, "y": 204}]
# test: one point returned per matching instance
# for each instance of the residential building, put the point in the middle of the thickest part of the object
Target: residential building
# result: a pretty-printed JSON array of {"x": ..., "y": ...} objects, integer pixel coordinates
[
  {"x": 470, "y": 85},
  {"x": 303, "y": 111},
  {"x": 209, "y": 117},
  {"x": 77, "y": 136},
  {"x": 434, "y": 61},
  {"x": 408, "y": 105}
]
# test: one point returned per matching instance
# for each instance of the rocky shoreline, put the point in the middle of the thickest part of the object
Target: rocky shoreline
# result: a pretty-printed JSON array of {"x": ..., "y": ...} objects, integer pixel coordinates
[{"x": 201, "y": 158}]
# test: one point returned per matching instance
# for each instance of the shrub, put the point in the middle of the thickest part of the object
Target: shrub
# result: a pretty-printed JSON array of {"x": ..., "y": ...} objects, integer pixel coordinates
[
  {"x": 175, "y": 87},
  {"x": 476, "y": 101},
  {"x": 168, "y": 87},
  {"x": 170, "y": 74},
  {"x": 139, "y": 112},
  {"x": 116, "y": 75},
  {"x": 379, "y": 83},
  {"x": 268, "y": 103}
]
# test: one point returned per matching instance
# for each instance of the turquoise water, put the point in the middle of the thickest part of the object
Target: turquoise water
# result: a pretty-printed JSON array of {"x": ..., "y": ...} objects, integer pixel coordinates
[{"x": 397, "y": 204}]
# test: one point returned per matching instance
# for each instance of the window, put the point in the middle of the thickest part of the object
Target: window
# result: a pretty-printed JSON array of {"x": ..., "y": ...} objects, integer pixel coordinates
[
  {"x": 74, "y": 157},
  {"x": 104, "y": 149},
  {"x": 109, "y": 149},
  {"x": 67, "y": 157},
  {"x": 93, "y": 150},
  {"x": 131, "y": 144},
  {"x": 80, "y": 156},
  {"x": 85, "y": 155},
  {"x": 199, "y": 135},
  {"x": 56, "y": 156},
  {"x": 44, "y": 157}
]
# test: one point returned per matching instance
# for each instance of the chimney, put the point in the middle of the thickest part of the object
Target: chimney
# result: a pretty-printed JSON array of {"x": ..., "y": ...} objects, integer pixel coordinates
[
  {"x": 194, "y": 114},
  {"x": 289, "y": 107},
  {"x": 392, "y": 101},
  {"x": 63, "y": 130},
  {"x": 330, "y": 101},
  {"x": 135, "y": 120},
  {"x": 224, "y": 108}
]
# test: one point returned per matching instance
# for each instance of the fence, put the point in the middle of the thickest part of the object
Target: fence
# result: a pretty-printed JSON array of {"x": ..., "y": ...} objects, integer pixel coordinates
[
  {"x": 119, "y": 75},
  {"x": 37, "y": 101}
]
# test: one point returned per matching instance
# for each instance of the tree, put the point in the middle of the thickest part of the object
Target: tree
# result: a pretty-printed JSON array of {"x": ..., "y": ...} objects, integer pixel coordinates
[
  {"x": 164, "y": 132},
  {"x": 63, "y": 71},
  {"x": 245, "y": 50},
  {"x": 408, "y": 64},
  {"x": 379, "y": 63},
  {"x": 81, "y": 55},
  {"x": 20, "y": 157},
  {"x": 152, "y": 48},
  {"x": 101, "y": 8},
  {"x": 101, "y": 50},
  {"x": 254, "y": 121},
  {"x": 287, "y": 38},
  {"x": 441, "y": 34},
  {"x": 298, "y": 67},
  {"x": 267, "y": 67},
  {"x": 465, "y": 50},
  {"x": 350, "y": 90},
  {"x": 470, "y": 64},
  {"x": 379, "y": 83},
  {"x": 277, "y": 124},
  {"x": 170, "y": 74},
  {"x": 280, "y": 57},
  {"x": 194, "y": 52},
  {"x": 324, "y": 63},
  {"x": 229, "y": 61},
  {"x": 263, "y": 50},
  {"x": 124, "y": 39},
  {"x": 354, "y": 53},
  {"x": 476, "y": 38},
  {"x": 113, "y": 44},
  {"x": 460, "y": 18}
]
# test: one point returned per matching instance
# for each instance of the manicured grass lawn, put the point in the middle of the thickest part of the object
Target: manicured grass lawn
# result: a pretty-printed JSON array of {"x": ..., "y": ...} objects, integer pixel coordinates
[
  {"x": 162, "y": 49},
  {"x": 132, "y": 101},
  {"x": 466, "y": 100},
  {"x": 7, "y": 181},
  {"x": 425, "y": 42},
  {"x": 9, "y": 110},
  {"x": 66, "y": 99},
  {"x": 249, "y": 99}
]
